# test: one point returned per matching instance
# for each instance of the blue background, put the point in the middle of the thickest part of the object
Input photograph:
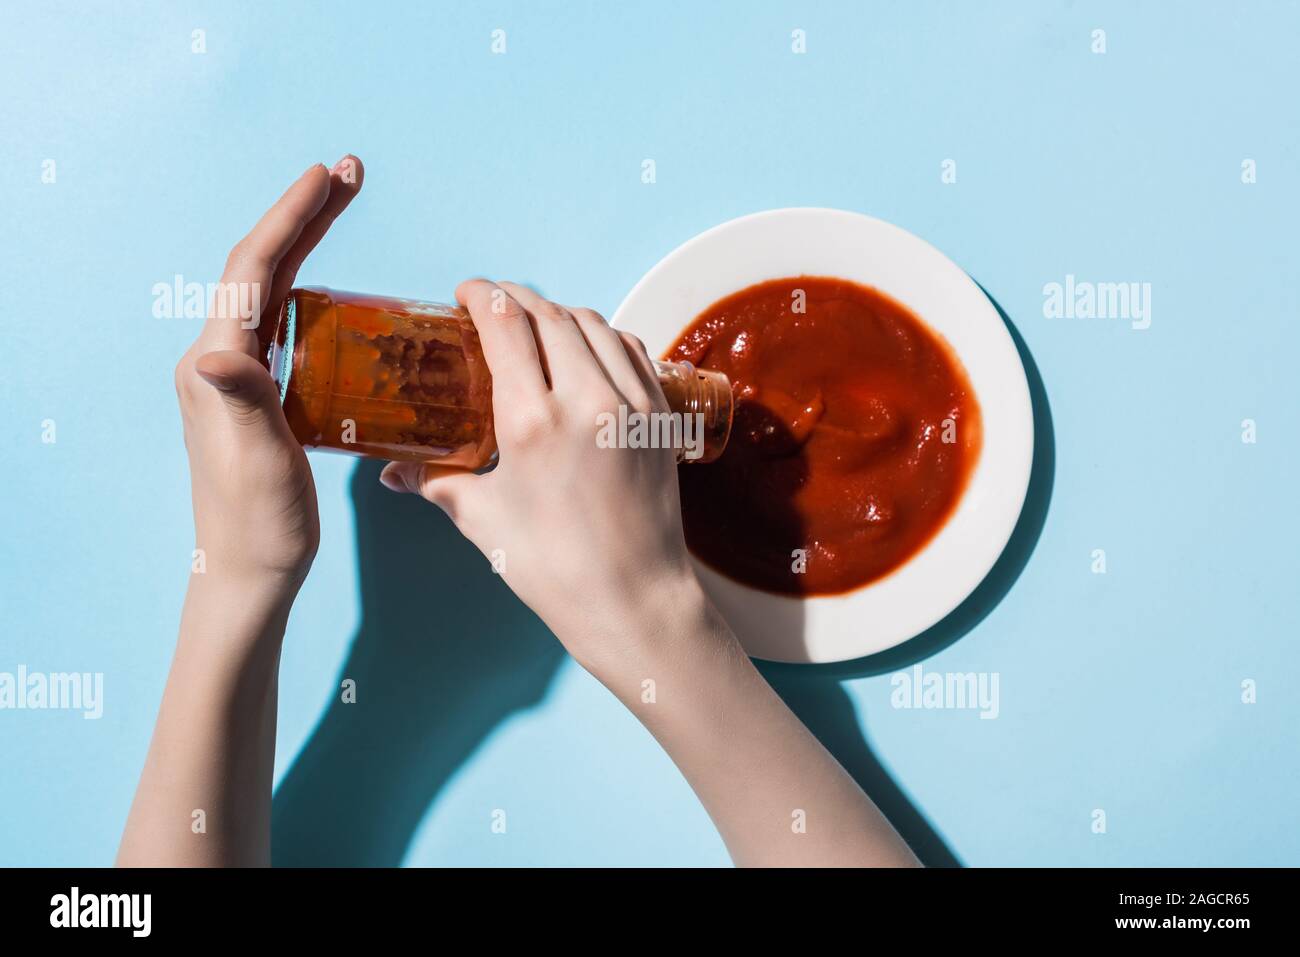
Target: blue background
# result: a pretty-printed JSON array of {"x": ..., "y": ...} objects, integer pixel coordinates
[{"x": 1118, "y": 691}]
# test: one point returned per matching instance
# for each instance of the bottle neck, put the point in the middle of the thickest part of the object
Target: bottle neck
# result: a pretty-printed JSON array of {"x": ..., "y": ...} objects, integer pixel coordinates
[{"x": 704, "y": 395}]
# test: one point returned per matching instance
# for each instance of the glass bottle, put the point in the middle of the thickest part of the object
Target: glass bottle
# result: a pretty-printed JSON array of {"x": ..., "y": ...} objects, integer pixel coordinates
[{"x": 406, "y": 380}]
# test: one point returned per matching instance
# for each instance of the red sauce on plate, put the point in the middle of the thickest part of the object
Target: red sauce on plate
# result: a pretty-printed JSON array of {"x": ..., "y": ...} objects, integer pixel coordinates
[{"x": 855, "y": 432}]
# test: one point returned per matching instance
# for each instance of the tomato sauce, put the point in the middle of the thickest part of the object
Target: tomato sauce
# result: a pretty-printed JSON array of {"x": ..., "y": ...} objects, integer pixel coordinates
[{"x": 855, "y": 432}]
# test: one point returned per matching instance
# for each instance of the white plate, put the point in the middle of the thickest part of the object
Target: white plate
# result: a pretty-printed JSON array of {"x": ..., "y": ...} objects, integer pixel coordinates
[{"x": 832, "y": 242}]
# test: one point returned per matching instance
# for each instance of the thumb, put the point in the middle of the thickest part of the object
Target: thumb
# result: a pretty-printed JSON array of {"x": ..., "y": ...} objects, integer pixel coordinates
[
  {"x": 446, "y": 488},
  {"x": 247, "y": 389}
]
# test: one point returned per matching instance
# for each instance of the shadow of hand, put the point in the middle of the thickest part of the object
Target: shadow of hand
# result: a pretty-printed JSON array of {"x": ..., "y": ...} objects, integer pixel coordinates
[{"x": 443, "y": 654}]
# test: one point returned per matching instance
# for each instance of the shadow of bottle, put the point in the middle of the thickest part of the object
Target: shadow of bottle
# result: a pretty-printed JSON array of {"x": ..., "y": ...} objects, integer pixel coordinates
[
  {"x": 444, "y": 653},
  {"x": 815, "y": 693}
]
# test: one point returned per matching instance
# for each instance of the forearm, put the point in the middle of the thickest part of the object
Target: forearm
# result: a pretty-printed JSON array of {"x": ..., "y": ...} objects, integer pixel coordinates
[
  {"x": 777, "y": 796},
  {"x": 204, "y": 797}
]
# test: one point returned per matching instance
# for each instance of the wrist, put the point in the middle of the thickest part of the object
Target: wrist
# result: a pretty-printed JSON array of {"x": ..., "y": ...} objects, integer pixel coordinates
[
  {"x": 236, "y": 551},
  {"x": 262, "y": 592},
  {"x": 240, "y": 619},
  {"x": 663, "y": 625}
]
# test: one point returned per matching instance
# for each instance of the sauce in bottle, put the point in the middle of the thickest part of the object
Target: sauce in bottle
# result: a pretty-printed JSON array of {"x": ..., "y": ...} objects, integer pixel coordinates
[{"x": 406, "y": 380}]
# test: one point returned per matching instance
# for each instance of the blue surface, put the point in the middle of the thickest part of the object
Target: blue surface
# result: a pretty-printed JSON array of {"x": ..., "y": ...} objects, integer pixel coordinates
[{"x": 1118, "y": 691}]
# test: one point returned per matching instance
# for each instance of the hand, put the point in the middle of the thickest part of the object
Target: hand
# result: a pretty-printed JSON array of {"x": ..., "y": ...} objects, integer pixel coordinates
[
  {"x": 590, "y": 538},
  {"x": 254, "y": 499}
]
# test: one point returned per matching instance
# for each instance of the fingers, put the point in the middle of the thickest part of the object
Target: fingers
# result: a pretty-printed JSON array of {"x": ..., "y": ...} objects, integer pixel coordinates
[
  {"x": 636, "y": 352},
  {"x": 251, "y": 266},
  {"x": 257, "y": 255},
  {"x": 607, "y": 345},
  {"x": 568, "y": 356},
  {"x": 506, "y": 335},
  {"x": 248, "y": 393},
  {"x": 345, "y": 182}
]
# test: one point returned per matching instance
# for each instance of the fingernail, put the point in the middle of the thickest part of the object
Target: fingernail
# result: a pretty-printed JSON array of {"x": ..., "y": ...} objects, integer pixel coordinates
[
  {"x": 222, "y": 383},
  {"x": 338, "y": 166},
  {"x": 311, "y": 167},
  {"x": 389, "y": 480}
]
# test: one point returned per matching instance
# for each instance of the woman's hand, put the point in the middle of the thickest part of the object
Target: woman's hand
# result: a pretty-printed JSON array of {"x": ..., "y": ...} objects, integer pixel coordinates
[
  {"x": 254, "y": 500},
  {"x": 589, "y": 537},
  {"x": 213, "y": 749}
]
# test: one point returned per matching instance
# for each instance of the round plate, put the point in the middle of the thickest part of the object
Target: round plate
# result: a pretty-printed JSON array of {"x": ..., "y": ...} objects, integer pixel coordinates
[{"x": 831, "y": 242}]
